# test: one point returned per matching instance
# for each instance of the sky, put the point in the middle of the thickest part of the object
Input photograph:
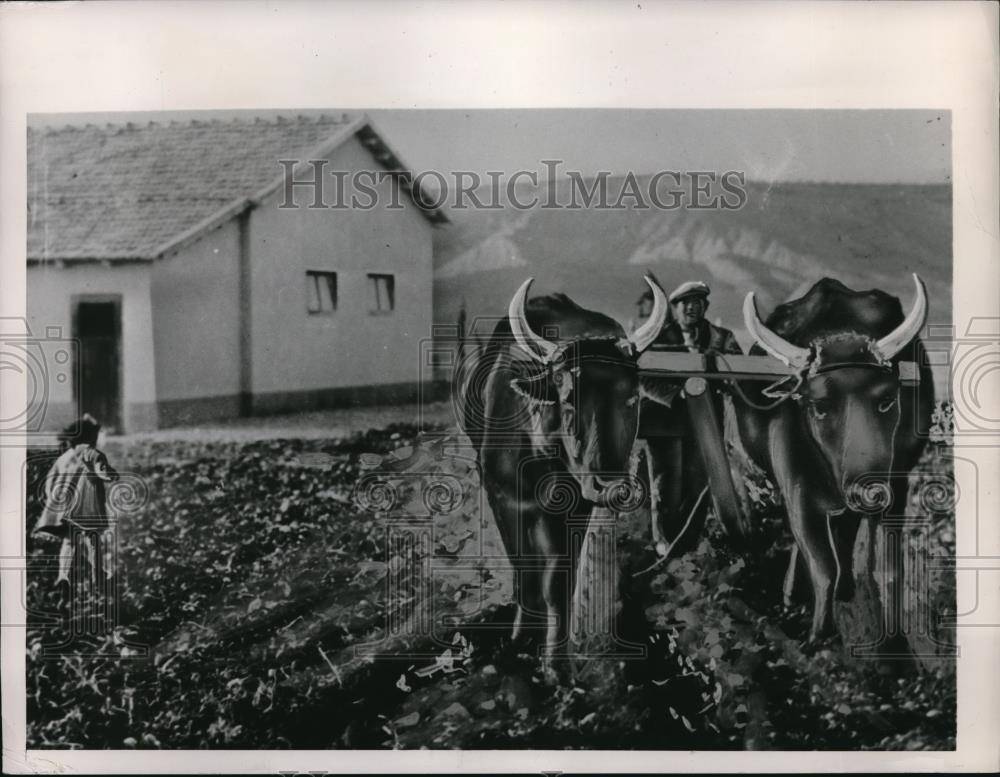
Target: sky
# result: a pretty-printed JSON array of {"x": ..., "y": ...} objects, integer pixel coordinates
[{"x": 843, "y": 146}]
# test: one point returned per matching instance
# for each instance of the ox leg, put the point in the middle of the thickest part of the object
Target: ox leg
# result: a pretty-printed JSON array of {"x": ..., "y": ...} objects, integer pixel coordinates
[
  {"x": 809, "y": 529},
  {"x": 510, "y": 546},
  {"x": 843, "y": 535},
  {"x": 556, "y": 588},
  {"x": 530, "y": 606},
  {"x": 557, "y": 580},
  {"x": 814, "y": 545},
  {"x": 663, "y": 458},
  {"x": 514, "y": 525},
  {"x": 897, "y": 618},
  {"x": 791, "y": 577},
  {"x": 653, "y": 477},
  {"x": 527, "y": 584}
]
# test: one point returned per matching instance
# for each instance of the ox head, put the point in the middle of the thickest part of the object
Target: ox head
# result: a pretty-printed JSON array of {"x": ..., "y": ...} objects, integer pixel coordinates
[
  {"x": 849, "y": 390},
  {"x": 584, "y": 396}
]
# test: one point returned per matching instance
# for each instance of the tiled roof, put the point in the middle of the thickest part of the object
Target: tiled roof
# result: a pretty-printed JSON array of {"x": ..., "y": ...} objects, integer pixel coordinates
[{"x": 127, "y": 191}]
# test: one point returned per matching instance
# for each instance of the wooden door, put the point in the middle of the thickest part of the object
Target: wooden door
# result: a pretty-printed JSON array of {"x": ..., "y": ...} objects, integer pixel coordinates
[{"x": 97, "y": 328}]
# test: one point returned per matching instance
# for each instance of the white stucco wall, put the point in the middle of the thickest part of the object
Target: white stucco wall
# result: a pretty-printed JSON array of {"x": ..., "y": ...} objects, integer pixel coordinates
[
  {"x": 181, "y": 318},
  {"x": 294, "y": 351},
  {"x": 50, "y": 291},
  {"x": 196, "y": 324}
]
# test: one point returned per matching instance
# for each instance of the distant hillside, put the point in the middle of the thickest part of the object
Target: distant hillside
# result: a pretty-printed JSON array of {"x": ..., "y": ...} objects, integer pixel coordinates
[{"x": 786, "y": 237}]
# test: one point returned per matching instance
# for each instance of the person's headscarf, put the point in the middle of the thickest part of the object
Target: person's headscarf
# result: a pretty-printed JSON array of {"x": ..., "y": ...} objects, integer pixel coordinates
[{"x": 82, "y": 432}]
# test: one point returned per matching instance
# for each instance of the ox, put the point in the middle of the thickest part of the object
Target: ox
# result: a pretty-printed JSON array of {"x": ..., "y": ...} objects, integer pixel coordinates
[
  {"x": 553, "y": 419},
  {"x": 843, "y": 445}
]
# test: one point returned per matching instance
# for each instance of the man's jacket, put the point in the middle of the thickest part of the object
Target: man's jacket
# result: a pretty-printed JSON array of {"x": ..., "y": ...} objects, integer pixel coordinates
[
  {"x": 663, "y": 415},
  {"x": 705, "y": 336}
]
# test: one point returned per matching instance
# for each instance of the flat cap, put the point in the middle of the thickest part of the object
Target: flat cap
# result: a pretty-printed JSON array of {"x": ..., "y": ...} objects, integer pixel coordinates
[{"x": 689, "y": 289}]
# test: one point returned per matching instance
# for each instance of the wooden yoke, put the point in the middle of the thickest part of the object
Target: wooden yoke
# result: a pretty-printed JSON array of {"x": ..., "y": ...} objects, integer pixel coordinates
[
  {"x": 680, "y": 364},
  {"x": 697, "y": 369}
]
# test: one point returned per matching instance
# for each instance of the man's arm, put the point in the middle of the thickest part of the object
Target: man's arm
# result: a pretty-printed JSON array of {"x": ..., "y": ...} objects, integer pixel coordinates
[
  {"x": 98, "y": 464},
  {"x": 723, "y": 341},
  {"x": 730, "y": 345},
  {"x": 60, "y": 499}
]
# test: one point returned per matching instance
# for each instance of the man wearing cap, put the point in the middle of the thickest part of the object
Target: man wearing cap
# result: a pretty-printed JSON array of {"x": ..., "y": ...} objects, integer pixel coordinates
[
  {"x": 688, "y": 329},
  {"x": 676, "y": 473}
]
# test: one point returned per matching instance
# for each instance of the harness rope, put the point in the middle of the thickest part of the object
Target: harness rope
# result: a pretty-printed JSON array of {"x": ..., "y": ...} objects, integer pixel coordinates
[
  {"x": 767, "y": 391},
  {"x": 809, "y": 370},
  {"x": 680, "y": 536}
]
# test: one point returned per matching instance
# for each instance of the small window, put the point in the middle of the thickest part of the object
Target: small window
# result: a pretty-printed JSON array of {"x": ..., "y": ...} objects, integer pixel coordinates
[
  {"x": 383, "y": 293},
  {"x": 321, "y": 292}
]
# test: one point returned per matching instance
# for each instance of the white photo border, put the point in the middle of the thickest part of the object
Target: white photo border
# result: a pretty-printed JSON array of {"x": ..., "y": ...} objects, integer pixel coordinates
[{"x": 228, "y": 55}]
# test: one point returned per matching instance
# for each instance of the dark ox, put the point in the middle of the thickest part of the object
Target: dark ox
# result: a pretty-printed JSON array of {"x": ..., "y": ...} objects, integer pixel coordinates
[
  {"x": 843, "y": 445},
  {"x": 553, "y": 419}
]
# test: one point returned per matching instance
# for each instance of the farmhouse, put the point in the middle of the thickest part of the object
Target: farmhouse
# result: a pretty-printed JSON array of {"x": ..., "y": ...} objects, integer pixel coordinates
[{"x": 191, "y": 295}]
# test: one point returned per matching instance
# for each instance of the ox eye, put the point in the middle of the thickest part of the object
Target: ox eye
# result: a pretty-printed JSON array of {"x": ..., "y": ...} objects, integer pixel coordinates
[
  {"x": 819, "y": 410},
  {"x": 887, "y": 404}
]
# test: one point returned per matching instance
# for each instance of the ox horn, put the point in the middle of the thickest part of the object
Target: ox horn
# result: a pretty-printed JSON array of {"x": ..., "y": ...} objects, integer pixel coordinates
[
  {"x": 644, "y": 336},
  {"x": 789, "y": 354},
  {"x": 537, "y": 347},
  {"x": 894, "y": 342}
]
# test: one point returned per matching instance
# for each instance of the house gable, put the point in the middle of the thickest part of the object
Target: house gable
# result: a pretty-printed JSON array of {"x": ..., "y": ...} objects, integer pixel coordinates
[{"x": 140, "y": 192}]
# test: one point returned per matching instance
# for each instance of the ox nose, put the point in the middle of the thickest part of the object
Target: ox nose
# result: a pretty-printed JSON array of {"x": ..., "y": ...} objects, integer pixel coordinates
[{"x": 868, "y": 496}]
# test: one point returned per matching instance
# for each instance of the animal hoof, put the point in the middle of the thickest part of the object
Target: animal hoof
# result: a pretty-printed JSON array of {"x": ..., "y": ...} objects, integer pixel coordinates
[
  {"x": 790, "y": 609},
  {"x": 555, "y": 671},
  {"x": 661, "y": 549},
  {"x": 815, "y": 643}
]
